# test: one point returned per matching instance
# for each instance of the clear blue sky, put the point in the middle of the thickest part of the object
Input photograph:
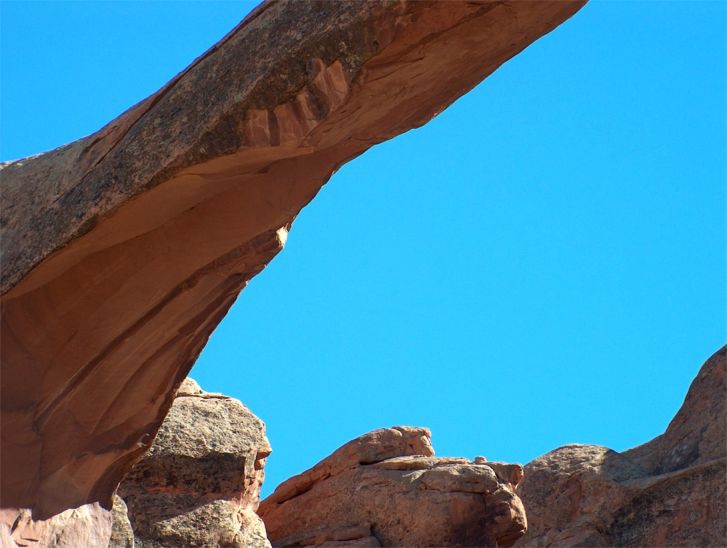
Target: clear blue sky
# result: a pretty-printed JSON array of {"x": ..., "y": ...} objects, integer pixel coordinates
[{"x": 544, "y": 263}]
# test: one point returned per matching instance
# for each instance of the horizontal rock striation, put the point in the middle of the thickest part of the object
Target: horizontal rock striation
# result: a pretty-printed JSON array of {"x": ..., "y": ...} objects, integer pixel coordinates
[
  {"x": 123, "y": 250},
  {"x": 199, "y": 484},
  {"x": 670, "y": 491},
  {"x": 386, "y": 488}
]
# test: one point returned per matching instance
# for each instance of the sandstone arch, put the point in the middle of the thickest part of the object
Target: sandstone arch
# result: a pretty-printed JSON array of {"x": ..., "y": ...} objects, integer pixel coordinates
[{"x": 123, "y": 250}]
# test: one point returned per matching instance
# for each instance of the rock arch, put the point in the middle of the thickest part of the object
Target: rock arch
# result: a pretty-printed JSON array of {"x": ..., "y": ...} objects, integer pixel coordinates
[{"x": 123, "y": 250}]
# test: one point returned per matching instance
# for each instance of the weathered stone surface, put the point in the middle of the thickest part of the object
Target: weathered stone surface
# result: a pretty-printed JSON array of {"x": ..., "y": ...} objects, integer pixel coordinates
[
  {"x": 683, "y": 508},
  {"x": 199, "y": 484},
  {"x": 697, "y": 434},
  {"x": 123, "y": 250},
  {"x": 670, "y": 491},
  {"x": 88, "y": 526},
  {"x": 122, "y": 536},
  {"x": 571, "y": 495},
  {"x": 386, "y": 488}
]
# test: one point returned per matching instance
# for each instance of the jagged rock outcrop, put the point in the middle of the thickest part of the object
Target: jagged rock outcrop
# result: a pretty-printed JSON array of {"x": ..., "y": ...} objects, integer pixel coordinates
[
  {"x": 670, "y": 491},
  {"x": 199, "y": 484},
  {"x": 123, "y": 250},
  {"x": 386, "y": 488}
]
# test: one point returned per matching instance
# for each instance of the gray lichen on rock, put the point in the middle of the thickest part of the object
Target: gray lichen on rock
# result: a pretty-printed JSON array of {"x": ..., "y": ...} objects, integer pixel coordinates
[{"x": 199, "y": 484}]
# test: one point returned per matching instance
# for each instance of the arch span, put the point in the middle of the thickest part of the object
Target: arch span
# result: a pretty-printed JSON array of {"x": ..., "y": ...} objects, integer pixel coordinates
[{"x": 123, "y": 250}]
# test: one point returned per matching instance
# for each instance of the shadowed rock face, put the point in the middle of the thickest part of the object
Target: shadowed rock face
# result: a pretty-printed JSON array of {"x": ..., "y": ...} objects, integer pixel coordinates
[
  {"x": 386, "y": 488},
  {"x": 670, "y": 491},
  {"x": 199, "y": 484},
  {"x": 123, "y": 250}
]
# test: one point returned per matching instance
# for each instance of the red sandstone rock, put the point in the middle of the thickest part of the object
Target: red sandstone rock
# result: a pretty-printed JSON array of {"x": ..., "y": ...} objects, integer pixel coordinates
[
  {"x": 123, "y": 250},
  {"x": 199, "y": 484},
  {"x": 698, "y": 432},
  {"x": 387, "y": 489},
  {"x": 670, "y": 491}
]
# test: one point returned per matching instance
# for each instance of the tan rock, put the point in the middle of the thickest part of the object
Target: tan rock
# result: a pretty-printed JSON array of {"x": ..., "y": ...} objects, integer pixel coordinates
[
  {"x": 199, "y": 484},
  {"x": 122, "y": 536},
  {"x": 386, "y": 488},
  {"x": 88, "y": 526},
  {"x": 123, "y": 250},
  {"x": 670, "y": 491}
]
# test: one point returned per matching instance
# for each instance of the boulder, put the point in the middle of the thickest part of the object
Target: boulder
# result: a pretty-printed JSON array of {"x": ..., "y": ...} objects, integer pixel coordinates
[
  {"x": 123, "y": 250},
  {"x": 386, "y": 488},
  {"x": 199, "y": 484},
  {"x": 670, "y": 491}
]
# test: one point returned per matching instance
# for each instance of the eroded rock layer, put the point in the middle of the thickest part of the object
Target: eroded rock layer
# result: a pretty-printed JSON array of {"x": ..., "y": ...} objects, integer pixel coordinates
[
  {"x": 387, "y": 488},
  {"x": 122, "y": 251},
  {"x": 87, "y": 526},
  {"x": 199, "y": 484},
  {"x": 671, "y": 491}
]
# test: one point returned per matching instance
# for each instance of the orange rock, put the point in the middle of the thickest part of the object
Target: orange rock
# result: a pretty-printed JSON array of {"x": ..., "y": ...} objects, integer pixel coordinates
[
  {"x": 670, "y": 491},
  {"x": 123, "y": 250},
  {"x": 386, "y": 488}
]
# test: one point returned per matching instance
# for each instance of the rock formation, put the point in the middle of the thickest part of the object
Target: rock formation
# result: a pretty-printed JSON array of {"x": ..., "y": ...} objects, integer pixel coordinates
[
  {"x": 123, "y": 250},
  {"x": 122, "y": 535},
  {"x": 199, "y": 484},
  {"x": 386, "y": 488},
  {"x": 671, "y": 491},
  {"x": 87, "y": 526}
]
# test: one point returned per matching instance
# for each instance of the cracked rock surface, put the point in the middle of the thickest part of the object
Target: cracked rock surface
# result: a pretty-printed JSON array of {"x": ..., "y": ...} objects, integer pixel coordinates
[
  {"x": 199, "y": 484},
  {"x": 386, "y": 488}
]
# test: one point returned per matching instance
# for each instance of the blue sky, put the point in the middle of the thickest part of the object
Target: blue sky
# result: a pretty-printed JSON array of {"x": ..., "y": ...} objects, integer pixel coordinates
[{"x": 543, "y": 263}]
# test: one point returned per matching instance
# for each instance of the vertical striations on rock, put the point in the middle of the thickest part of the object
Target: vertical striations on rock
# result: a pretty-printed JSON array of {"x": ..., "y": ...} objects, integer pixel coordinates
[
  {"x": 671, "y": 491},
  {"x": 199, "y": 484},
  {"x": 386, "y": 488},
  {"x": 123, "y": 250}
]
